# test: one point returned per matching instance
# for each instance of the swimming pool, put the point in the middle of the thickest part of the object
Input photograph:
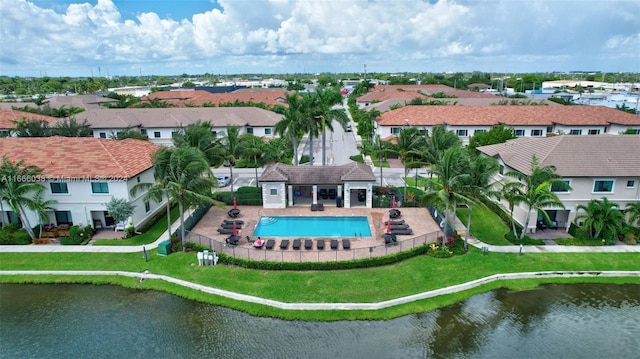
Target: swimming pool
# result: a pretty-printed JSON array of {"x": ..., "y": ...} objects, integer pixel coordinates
[{"x": 312, "y": 226}]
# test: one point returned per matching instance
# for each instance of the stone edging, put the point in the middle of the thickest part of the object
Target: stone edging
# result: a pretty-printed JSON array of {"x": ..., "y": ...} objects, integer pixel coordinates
[{"x": 337, "y": 306}]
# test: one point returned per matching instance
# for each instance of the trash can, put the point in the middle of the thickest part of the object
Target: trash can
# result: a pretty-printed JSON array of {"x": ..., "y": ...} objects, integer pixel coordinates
[
  {"x": 164, "y": 248},
  {"x": 338, "y": 201}
]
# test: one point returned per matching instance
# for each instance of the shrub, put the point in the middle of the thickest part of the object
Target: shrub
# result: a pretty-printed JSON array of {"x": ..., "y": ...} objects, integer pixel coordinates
[
  {"x": 12, "y": 234},
  {"x": 357, "y": 158},
  {"x": 76, "y": 236}
]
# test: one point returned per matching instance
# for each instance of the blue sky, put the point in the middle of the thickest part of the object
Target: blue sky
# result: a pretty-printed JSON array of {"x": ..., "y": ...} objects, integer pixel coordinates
[{"x": 162, "y": 37}]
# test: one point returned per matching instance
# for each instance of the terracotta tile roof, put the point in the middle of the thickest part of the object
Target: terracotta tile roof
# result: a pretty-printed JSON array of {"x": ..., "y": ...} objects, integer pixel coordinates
[
  {"x": 174, "y": 117},
  {"x": 509, "y": 115},
  {"x": 384, "y": 106},
  {"x": 574, "y": 156},
  {"x": 386, "y": 92},
  {"x": 6, "y": 116},
  {"x": 181, "y": 98},
  {"x": 307, "y": 175},
  {"x": 81, "y": 157}
]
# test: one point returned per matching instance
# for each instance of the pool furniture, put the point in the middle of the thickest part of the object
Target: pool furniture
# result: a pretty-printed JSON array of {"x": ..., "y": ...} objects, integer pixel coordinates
[
  {"x": 233, "y": 213},
  {"x": 394, "y": 213},
  {"x": 320, "y": 207},
  {"x": 225, "y": 230},
  {"x": 320, "y": 244},
  {"x": 258, "y": 244},
  {"x": 334, "y": 244},
  {"x": 230, "y": 225},
  {"x": 399, "y": 226},
  {"x": 346, "y": 244},
  {"x": 233, "y": 240},
  {"x": 314, "y": 207},
  {"x": 231, "y": 221},
  {"x": 406, "y": 231},
  {"x": 296, "y": 244},
  {"x": 284, "y": 244},
  {"x": 270, "y": 244},
  {"x": 390, "y": 238},
  {"x": 308, "y": 244},
  {"x": 250, "y": 241},
  {"x": 395, "y": 222}
]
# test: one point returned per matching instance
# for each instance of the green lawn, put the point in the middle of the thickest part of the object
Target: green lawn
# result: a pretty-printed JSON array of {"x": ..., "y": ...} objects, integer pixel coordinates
[
  {"x": 149, "y": 236},
  {"x": 486, "y": 226}
]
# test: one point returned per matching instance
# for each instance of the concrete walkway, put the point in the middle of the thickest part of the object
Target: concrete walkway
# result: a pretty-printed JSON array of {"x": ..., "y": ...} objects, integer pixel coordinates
[{"x": 338, "y": 306}]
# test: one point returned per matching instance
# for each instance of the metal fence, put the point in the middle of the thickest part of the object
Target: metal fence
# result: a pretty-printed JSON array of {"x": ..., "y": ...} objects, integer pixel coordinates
[{"x": 311, "y": 255}]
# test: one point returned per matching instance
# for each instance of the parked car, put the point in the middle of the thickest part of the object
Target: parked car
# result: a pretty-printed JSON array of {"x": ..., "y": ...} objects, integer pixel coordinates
[
  {"x": 349, "y": 129},
  {"x": 223, "y": 181}
]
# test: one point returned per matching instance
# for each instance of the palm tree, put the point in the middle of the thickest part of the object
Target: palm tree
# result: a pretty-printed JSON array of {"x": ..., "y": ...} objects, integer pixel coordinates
[
  {"x": 15, "y": 191},
  {"x": 408, "y": 147},
  {"x": 600, "y": 217},
  {"x": 253, "y": 147},
  {"x": 450, "y": 188},
  {"x": 188, "y": 179},
  {"x": 537, "y": 194},
  {"x": 436, "y": 143},
  {"x": 512, "y": 192},
  {"x": 481, "y": 172},
  {"x": 633, "y": 211},
  {"x": 200, "y": 135},
  {"x": 327, "y": 99},
  {"x": 381, "y": 150},
  {"x": 291, "y": 124},
  {"x": 41, "y": 206},
  {"x": 231, "y": 148}
]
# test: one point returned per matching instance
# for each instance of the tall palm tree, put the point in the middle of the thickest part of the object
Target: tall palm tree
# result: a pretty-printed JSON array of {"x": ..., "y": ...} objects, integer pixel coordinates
[
  {"x": 231, "y": 147},
  {"x": 253, "y": 147},
  {"x": 381, "y": 150},
  {"x": 537, "y": 194},
  {"x": 482, "y": 169},
  {"x": 600, "y": 217},
  {"x": 512, "y": 192},
  {"x": 188, "y": 179},
  {"x": 408, "y": 147},
  {"x": 633, "y": 211},
  {"x": 16, "y": 192},
  {"x": 327, "y": 99},
  {"x": 436, "y": 143},
  {"x": 200, "y": 135},
  {"x": 291, "y": 124},
  {"x": 450, "y": 188},
  {"x": 41, "y": 206}
]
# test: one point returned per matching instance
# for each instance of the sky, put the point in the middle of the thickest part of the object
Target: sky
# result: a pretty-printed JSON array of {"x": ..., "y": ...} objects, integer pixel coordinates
[{"x": 166, "y": 37}]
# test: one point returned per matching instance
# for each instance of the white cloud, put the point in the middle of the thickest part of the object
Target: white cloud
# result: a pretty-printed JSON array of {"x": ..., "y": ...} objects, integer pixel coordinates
[{"x": 317, "y": 35}]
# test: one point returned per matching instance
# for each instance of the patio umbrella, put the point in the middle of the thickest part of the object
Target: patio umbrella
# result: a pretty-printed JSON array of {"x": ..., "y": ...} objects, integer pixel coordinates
[
  {"x": 234, "y": 203},
  {"x": 393, "y": 202},
  {"x": 389, "y": 226},
  {"x": 235, "y": 231}
]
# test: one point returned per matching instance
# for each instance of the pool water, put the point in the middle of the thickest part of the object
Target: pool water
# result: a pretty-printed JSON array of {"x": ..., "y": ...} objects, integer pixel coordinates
[{"x": 313, "y": 226}]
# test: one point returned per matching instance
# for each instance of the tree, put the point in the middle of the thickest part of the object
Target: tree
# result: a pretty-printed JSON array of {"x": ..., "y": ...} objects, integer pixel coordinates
[
  {"x": 600, "y": 218},
  {"x": 440, "y": 140},
  {"x": 199, "y": 135},
  {"x": 231, "y": 149},
  {"x": 291, "y": 125},
  {"x": 450, "y": 187},
  {"x": 537, "y": 194},
  {"x": 325, "y": 108},
  {"x": 129, "y": 132},
  {"x": 408, "y": 147},
  {"x": 512, "y": 192},
  {"x": 72, "y": 128},
  {"x": 497, "y": 134},
  {"x": 187, "y": 179},
  {"x": 278, "y": 150},
  {"x": 253, "y": 147},
  {"x": 633, "y": 211},
  {"x": 16, "y": 185},
  {"x": 480, "y": 185},
  {"x": 31, "y": 128},
  {"x": 120, "y": 209},
  {"x": 380, "y": 150},
  {"x": 41, "y": 206}
]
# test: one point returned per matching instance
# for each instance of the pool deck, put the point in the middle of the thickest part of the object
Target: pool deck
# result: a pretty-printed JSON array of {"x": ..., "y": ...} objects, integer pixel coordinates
[{"x": 418, "y": 219}]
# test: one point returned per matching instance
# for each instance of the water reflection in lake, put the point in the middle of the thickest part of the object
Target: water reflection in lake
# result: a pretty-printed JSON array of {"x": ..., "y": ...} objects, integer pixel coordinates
[{"x": 83, "y": 321}]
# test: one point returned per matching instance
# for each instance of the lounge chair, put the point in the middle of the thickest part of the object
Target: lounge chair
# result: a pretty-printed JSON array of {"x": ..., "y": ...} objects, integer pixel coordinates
[
  {"x": 399, "y": 226},
  {"x": 236, "y": 221},
  {"x": 346, "y": 244},
  {"x": 389, "y": 238},
  {"x": 334, "y": 244},
  {"x": 250, "y": 241},
  {"x": 395, "y": 222},
  {"x": 225, "y": 230},
  {"x": 233, "y": 213},
  {"x": 320, "y": 207},
  {"x": 394, "y": 213},
  {"x": 308, "y": 244},
  {"x": 284, "y": 244},
  {"x": 258, "y": 244},
  {"x": 314, "y": 207},
  {"x": 402, "y": 231},
  {"x": 230, "y": 225},
  {"x": 296, "y": 244},
  {"x": 233, "y": 240},
  {"x": 270, "y": 244},
  {"x": 320, "y": 244}
]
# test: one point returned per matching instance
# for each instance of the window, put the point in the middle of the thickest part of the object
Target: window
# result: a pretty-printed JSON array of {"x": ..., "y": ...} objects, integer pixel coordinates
[
  {"x": 103, "y": 135},
  {"x": 13, "y": 217},
  {"x": 594, "y": 132},
  {"x": 479, "y": 131},
  {"x": 156, "y": 134},
  {"x": 536, "y": 132},
  {"x": 250, "y": 130},
  {"x": 632, "y": 131},
  {"x": 138, "y": 178},
  {"x": 147, "y": 206},
  {"x": 501, "y": 171},
  {"x": 99, "y": 187},
  {"x": 395, "y": 130},
  {"x": 631, "y": 184},
  {"x": 561, "y": 188},
  {"x": 143, "y": 131},
  {"x": 273, "y": 191},
  {"x": 519, "y": 133},
  {"x": 267, "y": 131},
  {"x": 461, "y": 133},
  {"x": 575, "y": 132},
  {"x": 549, "y": 129},
  {"x": 423, "y": 132},
  {"x": 63, "y": 217},
  {"x": 603, "y": 186},
  {"x": 59, "y": 187}
]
